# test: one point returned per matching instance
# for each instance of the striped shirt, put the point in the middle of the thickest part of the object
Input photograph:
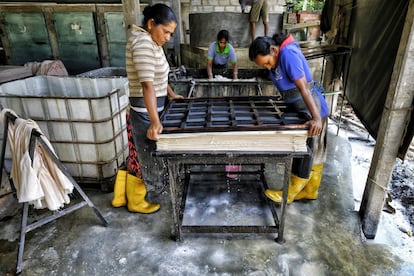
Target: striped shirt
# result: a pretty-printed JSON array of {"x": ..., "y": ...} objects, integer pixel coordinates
[{"x": 145, "y": 61}]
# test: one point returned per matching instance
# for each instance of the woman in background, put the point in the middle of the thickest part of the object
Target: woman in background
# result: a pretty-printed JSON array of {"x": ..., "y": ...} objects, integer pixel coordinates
[{"x": 219, "y": 54}]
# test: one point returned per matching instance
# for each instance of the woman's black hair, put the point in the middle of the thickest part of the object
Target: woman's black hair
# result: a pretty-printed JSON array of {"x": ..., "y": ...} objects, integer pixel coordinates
[
  {"x": 223, "y": 34},
  {"x": 261, "y": 45},
  {"x": 279, "y": 38},
  {"x": 160, "y": 13}
]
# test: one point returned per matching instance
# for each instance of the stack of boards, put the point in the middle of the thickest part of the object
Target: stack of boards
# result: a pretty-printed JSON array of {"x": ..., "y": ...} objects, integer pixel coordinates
[{"x": 243, "y": 124}]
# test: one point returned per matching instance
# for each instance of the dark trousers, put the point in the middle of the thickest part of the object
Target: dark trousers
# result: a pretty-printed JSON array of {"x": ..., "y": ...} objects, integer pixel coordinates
[{"x": 152, "y": 167}]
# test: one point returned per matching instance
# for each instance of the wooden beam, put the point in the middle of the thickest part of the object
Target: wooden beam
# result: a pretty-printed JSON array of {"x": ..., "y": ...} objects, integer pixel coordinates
[
  {"x": 132, "y": 14},
  {"x": 176, "y": 7},
  {"x": 102, "y": 36},
  {"x": 53, "y": 38}
]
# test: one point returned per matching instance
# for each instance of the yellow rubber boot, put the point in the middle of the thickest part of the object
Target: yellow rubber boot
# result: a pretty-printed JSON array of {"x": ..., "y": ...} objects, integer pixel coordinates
[
  {"x": 311, "y": 190},
  {"x": 296, "y": 184},
  {"x": 136, "y": 192},
  {"x": 119, "y": 189}
]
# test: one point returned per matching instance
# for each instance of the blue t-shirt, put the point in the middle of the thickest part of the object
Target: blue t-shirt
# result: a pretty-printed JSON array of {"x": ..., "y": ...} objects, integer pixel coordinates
[
  {"x": 291, "y": 66},
  {"x": 229, "y": 54}
]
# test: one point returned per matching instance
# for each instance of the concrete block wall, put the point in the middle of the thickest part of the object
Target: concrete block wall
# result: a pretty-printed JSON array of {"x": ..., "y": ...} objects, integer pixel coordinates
[{"x": 206, "y": 6}]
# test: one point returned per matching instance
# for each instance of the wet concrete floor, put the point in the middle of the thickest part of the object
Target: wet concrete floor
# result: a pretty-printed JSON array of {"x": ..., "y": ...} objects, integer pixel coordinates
[{"x": 322, "y": 237}]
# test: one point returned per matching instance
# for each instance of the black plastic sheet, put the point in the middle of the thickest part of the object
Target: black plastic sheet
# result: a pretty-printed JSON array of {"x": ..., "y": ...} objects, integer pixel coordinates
[{"x": 376, "y": 30}]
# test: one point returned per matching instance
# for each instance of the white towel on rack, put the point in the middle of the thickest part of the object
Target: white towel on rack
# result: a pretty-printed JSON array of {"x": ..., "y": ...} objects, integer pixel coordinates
[{"x": 40, "y": 182}]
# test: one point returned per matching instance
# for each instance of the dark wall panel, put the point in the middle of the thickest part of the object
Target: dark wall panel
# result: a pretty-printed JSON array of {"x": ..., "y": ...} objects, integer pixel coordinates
[
  {"x": 376, "y": 30},
  {"x": 77, "y": 41},
  {"x": 116, "y": 38},
  {"x": 28, "y": 37},
  {"x": 68, "y": 1},
  {"x": 83, "y": 37}
]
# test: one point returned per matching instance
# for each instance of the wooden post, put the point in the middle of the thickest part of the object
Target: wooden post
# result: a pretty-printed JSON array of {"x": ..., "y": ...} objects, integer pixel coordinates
[
  {"x": 132, "y": 14},
  {"x": 396, "y": 115},
  {"x": 102, "y": 37},
  {"x": 176, "y": 7},
  {"x": 53, "y": 38},
  {"x": 4, "y": 39}
]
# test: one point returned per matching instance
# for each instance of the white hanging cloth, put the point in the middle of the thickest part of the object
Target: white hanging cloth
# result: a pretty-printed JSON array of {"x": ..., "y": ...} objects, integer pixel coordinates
[{"x": 40, "y": 183}]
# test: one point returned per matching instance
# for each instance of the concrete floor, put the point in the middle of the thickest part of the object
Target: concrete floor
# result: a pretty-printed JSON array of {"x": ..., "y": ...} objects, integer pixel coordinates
[{"x": 322, "y": 236}]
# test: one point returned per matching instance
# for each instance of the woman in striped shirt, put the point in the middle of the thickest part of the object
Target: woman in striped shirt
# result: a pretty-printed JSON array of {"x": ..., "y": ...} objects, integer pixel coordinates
[{"x": 147, "y": 70}]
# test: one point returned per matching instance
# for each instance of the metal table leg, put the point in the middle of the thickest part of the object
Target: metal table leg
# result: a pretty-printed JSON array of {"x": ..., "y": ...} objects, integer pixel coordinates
[
  {"x": 173, "y": 179},
  {"x": 288, "y": 166},
  {"x": 178, "y": 188}
]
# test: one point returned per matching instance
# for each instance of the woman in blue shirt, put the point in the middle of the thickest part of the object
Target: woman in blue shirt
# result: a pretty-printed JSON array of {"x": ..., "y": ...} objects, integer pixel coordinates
[
  {"x": 289, "y": 72},
  {"x": 220, "y": 53}
]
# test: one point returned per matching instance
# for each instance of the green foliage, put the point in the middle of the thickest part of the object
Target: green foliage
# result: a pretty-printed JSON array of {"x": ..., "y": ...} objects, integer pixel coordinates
[{"x": 311, "y": 5}]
